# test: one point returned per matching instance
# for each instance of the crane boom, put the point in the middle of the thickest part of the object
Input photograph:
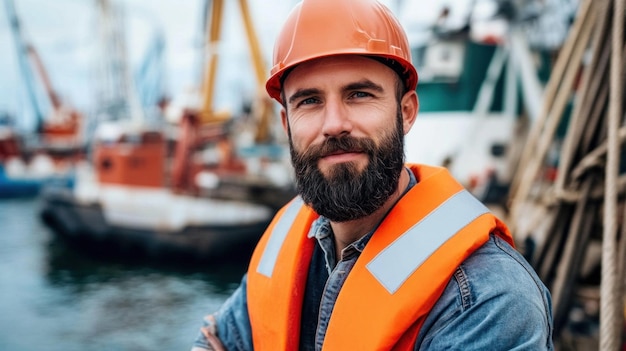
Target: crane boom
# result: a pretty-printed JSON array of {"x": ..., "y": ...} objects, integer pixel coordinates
[{"x": 22, "y": 53}]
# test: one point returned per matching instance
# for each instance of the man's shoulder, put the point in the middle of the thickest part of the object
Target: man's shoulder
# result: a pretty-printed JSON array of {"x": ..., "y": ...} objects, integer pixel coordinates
[
  {"x": 496, "y": 265},
  {"x": 494, "y": 293},
  {"x": 497, "y": 270},
  {"x": 495, "y": 274}
]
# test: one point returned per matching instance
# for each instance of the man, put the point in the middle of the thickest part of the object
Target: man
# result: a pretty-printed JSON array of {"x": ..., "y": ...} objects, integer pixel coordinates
[{"x": 374, "y": 254}]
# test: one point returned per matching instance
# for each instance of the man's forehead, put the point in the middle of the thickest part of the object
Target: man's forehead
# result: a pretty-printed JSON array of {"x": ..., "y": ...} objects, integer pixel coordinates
[{"x": 341, "y": 63}]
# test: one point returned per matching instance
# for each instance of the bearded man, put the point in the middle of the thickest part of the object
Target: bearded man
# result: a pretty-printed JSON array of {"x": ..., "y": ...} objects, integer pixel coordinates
[{"x": 374, "y": 254}]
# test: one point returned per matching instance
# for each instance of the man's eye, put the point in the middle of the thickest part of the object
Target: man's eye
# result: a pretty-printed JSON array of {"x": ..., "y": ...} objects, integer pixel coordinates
[
  {"x": 308, "y": 101},
  {"x": 360, "y": 94}
]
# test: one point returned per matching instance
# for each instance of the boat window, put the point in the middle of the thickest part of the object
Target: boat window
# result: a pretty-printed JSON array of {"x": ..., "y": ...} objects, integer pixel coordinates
[{"x": 439, "y": 61}]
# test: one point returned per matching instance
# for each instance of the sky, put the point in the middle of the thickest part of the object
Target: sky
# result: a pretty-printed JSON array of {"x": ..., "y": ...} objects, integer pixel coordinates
[{"x": 64, "y": 34}]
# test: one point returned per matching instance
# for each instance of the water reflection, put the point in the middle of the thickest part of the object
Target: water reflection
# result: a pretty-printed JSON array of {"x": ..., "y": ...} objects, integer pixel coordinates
[
  {"x": 54, "y": 295},
  {"x": 68, "y": 266}
]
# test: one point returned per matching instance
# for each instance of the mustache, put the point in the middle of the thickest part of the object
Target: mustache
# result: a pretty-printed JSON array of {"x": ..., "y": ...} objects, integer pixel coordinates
[{"x": 342, "y": 144}]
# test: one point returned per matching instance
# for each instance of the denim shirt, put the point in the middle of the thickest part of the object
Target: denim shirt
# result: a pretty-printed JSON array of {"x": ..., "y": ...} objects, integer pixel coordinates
[{"x": 494, "y": 301}]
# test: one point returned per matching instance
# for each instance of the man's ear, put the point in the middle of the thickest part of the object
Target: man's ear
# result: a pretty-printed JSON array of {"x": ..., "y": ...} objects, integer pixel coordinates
[
  {"x": 283, "y": 119},
  {"x": 409, "y": 108}
]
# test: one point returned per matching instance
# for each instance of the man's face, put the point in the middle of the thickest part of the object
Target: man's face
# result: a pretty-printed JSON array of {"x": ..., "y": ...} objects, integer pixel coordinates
[{"x": 346, "y": 131}]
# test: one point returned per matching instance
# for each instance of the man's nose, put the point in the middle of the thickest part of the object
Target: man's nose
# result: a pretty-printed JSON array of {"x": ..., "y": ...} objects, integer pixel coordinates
[{"x": 336, "y": 118}]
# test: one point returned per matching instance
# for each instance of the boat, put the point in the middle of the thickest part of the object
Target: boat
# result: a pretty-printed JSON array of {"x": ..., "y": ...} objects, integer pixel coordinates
[
  {"x": 24, "y": 173},
  {"x": 187, "y": 191},
  {"x": 123, "y": 210},
  {"x": 32, "y": 159},
  {"x": 479, "y": 89},
  {"x": 20, "y": 180}
]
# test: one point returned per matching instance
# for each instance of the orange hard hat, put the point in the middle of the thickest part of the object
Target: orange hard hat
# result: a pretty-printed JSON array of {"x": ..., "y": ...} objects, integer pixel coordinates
[{"x": 320, "y": 28}]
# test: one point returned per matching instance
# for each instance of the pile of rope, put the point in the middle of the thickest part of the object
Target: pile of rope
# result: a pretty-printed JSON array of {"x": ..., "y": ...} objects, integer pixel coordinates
[{"x": 561, "y": 216}]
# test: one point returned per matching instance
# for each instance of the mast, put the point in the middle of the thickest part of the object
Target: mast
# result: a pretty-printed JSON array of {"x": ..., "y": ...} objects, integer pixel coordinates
[{"x": 116, "y": 97}]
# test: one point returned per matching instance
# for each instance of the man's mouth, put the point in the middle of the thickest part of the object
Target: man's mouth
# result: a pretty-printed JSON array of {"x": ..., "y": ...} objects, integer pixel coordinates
[
  {"x": 341, "y": 156},
  {"x": 342, "y": 151}
]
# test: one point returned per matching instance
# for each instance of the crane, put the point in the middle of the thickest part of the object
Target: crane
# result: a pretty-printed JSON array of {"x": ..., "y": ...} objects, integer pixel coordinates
[
  {"x": 203, "y": 124},
  {"x": 61, "y": 128}
]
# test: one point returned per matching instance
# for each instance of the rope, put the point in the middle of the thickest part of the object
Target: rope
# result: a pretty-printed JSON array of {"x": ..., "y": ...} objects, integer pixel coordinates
[
  {"x": 621, "y": 270},
  {"x": 539, "y": 141},
  {"x": 593, "y": 76},
  {"x": 595, "y": 158},
  {"x": 552, "y": 87},
  {"x": 609, "y": 331},
  {"x": 568, "y": 196}
]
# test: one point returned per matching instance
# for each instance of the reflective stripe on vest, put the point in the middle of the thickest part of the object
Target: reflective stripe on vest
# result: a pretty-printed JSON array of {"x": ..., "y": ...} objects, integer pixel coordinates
[
  {"x": 277, "y": 237},
  {"x": 416, "y": 245}
]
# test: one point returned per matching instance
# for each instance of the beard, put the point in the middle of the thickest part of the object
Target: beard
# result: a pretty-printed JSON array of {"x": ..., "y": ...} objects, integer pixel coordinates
[{"x": 347, "y": 193}]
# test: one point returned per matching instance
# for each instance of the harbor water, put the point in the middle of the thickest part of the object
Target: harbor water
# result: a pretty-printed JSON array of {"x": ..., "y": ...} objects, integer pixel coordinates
[{"x": 54, "y": 297}]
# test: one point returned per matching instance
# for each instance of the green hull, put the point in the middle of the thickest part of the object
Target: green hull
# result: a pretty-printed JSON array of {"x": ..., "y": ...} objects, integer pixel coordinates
[{"x": 460, "y": 93}]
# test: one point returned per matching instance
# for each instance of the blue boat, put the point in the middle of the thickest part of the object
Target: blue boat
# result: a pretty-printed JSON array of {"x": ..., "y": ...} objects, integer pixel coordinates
[
  {"x": 15, "y": 187},
  {"x": 30, "y": 186}
]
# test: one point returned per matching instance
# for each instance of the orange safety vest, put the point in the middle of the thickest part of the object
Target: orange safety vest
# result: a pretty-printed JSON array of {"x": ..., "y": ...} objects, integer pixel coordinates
[{"x": 399, "y": 276}]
